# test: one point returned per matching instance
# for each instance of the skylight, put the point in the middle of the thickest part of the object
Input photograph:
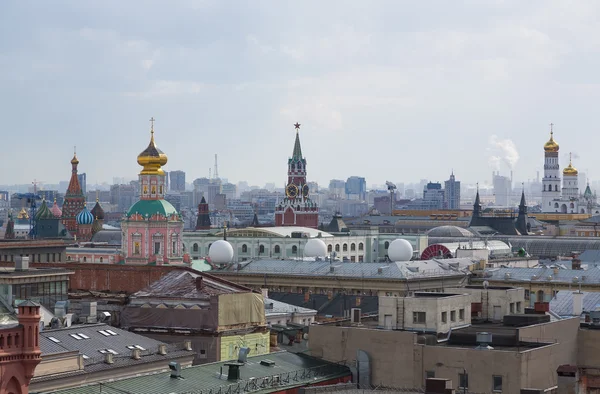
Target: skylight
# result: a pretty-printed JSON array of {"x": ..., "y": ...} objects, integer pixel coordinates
[
  {"x": 85, "y": 357},
  {"x": 84, "y": 336},
  {"x": 111, "y": 332},
  {"x": 54, "y": 339},
  {"x": 75, "y": 336},
  {"x": 106, "y": 334},
  {"x": 139, "y": 347},
  {"x": 112, "y": 351}
]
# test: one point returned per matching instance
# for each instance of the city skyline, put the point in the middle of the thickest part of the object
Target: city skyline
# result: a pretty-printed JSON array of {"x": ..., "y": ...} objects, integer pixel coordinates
[{"x": 389, "y": 89}]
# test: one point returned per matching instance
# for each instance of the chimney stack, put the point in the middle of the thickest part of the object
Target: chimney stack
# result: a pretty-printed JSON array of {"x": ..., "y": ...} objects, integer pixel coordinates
[
  {"x": 577, "y": 303},
  {"x": 187, "y": 345},
  {"x": 108, "y": 358},
  {"x": 265, "y": 292},
  {"x": 162, "y": 349},
  {"x": 136, "y": 354},
  {"x": 199, "y": 283}
]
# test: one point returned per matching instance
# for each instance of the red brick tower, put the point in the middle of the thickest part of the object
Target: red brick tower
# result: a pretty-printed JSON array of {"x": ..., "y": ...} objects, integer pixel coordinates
[
  {"x": 74, "y": 199},
  {"x": 20, "y": 350},
  {"x": 203, "y": 221},
  {"x": 297, "y": 209}
]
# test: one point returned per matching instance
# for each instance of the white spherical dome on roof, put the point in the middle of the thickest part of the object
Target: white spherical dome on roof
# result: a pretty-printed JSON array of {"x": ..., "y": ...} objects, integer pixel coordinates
[
  {"x": 221, "y": 252},
  {"x": 315, "y": 247},
  {"x": 400, "y": 250}
]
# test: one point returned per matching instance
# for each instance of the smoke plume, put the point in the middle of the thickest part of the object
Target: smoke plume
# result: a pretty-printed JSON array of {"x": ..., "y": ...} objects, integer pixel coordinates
[{"x": 503, "y": 150}]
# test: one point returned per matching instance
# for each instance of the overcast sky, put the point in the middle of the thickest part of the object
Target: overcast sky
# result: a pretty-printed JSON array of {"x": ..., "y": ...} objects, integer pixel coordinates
[{"x": 386, "y": 90}]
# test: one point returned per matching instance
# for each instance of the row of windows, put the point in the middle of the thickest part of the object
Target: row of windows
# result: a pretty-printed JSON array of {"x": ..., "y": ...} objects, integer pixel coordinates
[
  {"x": 277, "y": 248},
  {"x": 50, "y": 257},
  {"x": 463, "y": 380}
]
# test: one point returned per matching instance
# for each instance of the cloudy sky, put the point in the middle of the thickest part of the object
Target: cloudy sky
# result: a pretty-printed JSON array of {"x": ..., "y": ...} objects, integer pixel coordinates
[{"x": 387, "y": 90}]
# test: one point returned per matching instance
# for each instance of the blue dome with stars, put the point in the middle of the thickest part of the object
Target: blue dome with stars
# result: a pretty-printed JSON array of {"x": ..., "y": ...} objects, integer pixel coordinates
[{"x": 85, "y": 217}]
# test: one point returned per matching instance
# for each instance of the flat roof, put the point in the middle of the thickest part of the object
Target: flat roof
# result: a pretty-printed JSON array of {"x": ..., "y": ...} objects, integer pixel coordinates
[{"x": 32, "y": 272}]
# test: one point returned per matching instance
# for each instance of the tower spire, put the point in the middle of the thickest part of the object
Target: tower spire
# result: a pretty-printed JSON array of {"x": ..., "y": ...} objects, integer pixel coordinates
[{"x": 297, "y": 154}]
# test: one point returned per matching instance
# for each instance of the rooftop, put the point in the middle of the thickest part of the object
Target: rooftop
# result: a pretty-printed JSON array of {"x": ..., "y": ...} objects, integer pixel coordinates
[
  {"x": 93, "y": 341},
  {"x": 10, "y": 272},
  {"x": 289, "y": 369},
  {"x": 542, "y": 274},
  {"x": 281, "y": 231},
  {"x": 183, "y": 284},
  {"x": 274, "y": 307},
  {"x": 399, "y": 270}
]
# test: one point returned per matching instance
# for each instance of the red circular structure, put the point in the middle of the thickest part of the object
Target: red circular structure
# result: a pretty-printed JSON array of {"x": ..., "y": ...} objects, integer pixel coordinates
[{"x": 436, "y": 251}]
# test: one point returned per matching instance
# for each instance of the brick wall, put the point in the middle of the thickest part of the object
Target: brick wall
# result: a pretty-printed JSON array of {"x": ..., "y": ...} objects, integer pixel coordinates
[{"x": 112, "y": 277}]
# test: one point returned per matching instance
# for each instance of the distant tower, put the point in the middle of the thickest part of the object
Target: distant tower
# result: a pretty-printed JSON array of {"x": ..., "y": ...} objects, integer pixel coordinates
[
  {"x": 551, "y": 185},
  {"x": 203, "y": 221},
  {"x": 297, "y": 209},
  {"x": 452, "y": 193},
  {"x": 98, "y": 214},
  {"x": 522, "y": 224},
  {"x": 570, "y": 190},
  {"x": 74, "y": 199},
  {"x": 10, "y": 227}
]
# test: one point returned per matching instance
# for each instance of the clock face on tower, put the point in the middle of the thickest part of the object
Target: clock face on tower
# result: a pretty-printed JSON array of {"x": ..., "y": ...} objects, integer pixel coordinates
[
  {"x": 305, "y": 190},
  {"x": 291, "y": 190}
]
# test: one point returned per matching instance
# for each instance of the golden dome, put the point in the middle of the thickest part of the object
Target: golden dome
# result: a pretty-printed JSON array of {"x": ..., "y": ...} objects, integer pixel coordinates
[
  {"x": 551, "y": 145},
  {"x": 152, "y": 158},
  {"x": 74, "y": 160},
  {"x": 570, "y": 170},
  {"x": 23, "y": 214}
]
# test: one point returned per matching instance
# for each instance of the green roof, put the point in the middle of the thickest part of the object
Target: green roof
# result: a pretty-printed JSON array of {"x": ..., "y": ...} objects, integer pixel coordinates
[
  {"x": 151, "y": 207},
  {"x": 293, "y": 370},
  {"x": 201, "y": 265}
]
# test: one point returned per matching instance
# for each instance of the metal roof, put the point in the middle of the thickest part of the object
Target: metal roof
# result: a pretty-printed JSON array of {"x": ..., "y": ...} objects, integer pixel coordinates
[
  {"x": 281, "y": 231},
  {"x": 538, "y": 246},
  {"x": 390, "y": 270},
  {"x": 289, "y": 369},
  {"x": 543, "y": 274},
  {"x": 93, "y": 340},
  {"x": 284, "y": 308},
  {"x": 182, "y": 284},
  {"x": 562, "y": 303}
]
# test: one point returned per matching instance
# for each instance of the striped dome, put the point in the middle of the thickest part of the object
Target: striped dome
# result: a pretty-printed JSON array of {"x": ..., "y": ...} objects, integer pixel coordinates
[
  {"x": 84, "y": 217},
  {"x": 44, "y": 212}
]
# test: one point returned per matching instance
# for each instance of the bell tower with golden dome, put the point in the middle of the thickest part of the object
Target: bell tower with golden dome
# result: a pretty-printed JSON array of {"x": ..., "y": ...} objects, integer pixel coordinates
[
  {"x": 152, "y": 177},
  {"x": 570, "y": 190},
  {"x": 551, "y": 183}
]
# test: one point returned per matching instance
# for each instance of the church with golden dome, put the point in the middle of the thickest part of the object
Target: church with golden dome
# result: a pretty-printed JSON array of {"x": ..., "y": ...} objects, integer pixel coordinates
[
  {"x": 560, "y": 194},
  {"x": 152, "y": 227}
]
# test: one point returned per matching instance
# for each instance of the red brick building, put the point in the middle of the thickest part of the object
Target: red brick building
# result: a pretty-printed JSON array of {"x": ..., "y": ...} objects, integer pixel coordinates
[
  {"x": 297, "y": 209},
  {"x": 20, "y": 351}
]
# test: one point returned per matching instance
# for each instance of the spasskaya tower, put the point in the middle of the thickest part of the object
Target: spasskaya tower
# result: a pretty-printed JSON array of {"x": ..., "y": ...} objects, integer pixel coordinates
[{"x": 297, "y": 209}]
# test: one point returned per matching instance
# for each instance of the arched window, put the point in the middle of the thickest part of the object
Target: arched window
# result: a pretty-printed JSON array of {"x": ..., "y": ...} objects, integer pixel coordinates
[
  {"x": 101, "y": 259},
  {"x": 84, "y": 259},
  {"x": 352, "y": 247},
  {"x": 261, "y": 249},
  {"x": 195, "y": 248},
  {"x": 294, "y": 249},
  {"x": 277, "y": 249},
  {"x": 337, "y": 247},
  {"x": 244, "y": 248},
  {"x": 329, "y": 248},
  {"x": 345, "y": 247},
  {"x": 361, "y": 246},
  {"x": 386, "y": 245},
  {"x": 555, "y": 205}
]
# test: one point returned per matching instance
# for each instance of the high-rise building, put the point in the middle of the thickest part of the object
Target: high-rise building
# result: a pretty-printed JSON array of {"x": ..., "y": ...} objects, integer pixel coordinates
[
  {"x": 177, "y": 181},
  {"x": 502, "y": 190},
  {"x": 452, "y": 193},
  {"x": 297, "y": 209},
  {"x": 356, "y": 188},
  {"x": 433, "y": 196},
  {"x": 83, "y": 182}
]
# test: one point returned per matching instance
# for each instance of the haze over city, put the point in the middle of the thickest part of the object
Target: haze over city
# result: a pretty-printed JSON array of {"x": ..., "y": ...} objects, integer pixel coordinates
[{"x": 385, "y": 90}]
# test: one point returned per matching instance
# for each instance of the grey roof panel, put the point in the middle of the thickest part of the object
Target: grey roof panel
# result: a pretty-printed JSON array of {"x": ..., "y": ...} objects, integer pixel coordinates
[{"x": 562, "y": 303}]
